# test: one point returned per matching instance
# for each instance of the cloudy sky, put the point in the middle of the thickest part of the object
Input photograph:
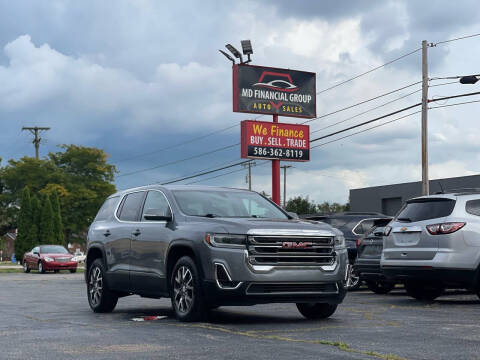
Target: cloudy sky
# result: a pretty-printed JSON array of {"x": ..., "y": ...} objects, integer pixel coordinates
[{"x": 137, "y": 78}]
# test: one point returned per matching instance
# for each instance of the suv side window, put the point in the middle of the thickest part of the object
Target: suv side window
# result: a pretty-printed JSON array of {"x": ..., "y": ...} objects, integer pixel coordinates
[
  {"x": 107, "y": 209},
  {"x": 473, "y": 207},
  {"x": 155, "y": 204},
  {"x": 131, "y": 206},
  {"x": 36, "y": 249}
]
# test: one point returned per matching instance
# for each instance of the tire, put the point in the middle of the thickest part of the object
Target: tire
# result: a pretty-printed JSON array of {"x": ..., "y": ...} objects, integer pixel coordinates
[
  {"x": 316, "y": 311},
  {"x": 353, "y": 281},
  {"x": 26, "y": 269},
  {"x": 73, "y": 270},
  {"x": 100, "y": 298},
  {"x": 380, "y": 287},
  {"x": 41, "y": 270},
  {"x": 186, "y": 291},
  {"x": 423, "y": 291}
]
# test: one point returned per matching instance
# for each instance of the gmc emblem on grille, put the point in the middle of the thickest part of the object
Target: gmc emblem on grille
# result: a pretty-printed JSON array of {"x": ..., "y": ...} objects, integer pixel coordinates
[{"x": 296, "y": 245}]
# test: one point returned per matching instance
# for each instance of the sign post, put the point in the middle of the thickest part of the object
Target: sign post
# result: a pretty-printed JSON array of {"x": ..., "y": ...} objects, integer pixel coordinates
[
  {"x": 265, "y": 90},
  {"x": 276, "y": 175}
]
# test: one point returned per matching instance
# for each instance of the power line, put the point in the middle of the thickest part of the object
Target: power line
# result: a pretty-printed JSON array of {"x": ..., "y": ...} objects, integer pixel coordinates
[
  {"x": 178, "y": 144},
  {"x": 462, "y": 103},
  {"x": 367, "y": 111},
  {"x": 362, "y": 102},
  {"x": 179, "y": 161},
  {"x": 204, "y": 173},
  {"x": 455, "y": 39},
  {"x": 365, "y": 130},
  {"x": 368, "y": 72},
  {"x": 442, "y": 84},
  {"x": 366, "y": 122}
]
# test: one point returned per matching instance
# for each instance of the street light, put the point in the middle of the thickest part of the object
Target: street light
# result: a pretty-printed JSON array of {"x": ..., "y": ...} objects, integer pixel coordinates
[
  {"x": 469, "y": 79},
  {"x": 228, "y": 56},
  {"x": 235, "y": 52},
  {"x": 246, "y": 48}
]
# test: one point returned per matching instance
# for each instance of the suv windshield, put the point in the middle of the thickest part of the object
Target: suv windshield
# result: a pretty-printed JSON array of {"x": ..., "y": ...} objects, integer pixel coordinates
[
  {"x": 425, "y": 209},
  {"x": 226, "y": 204},
  {"x": 52, "y": 249}
]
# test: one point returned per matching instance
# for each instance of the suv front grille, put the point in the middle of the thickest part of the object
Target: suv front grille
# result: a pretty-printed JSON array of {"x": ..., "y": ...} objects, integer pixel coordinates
[{"x": 291, "y": 250}]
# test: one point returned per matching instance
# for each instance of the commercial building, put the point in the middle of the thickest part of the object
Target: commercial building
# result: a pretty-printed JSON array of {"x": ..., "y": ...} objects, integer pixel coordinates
[{"x": 388, "y": 199}]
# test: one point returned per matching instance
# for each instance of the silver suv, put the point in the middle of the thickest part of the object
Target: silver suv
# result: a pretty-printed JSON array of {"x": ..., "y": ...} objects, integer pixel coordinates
[
  {"x": 434, "y": 243},
  {"x": 206, "y": 247}
]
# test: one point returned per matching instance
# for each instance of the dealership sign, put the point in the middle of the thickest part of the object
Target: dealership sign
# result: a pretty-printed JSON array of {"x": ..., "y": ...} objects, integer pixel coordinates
[
  {"x": 267, "y": 140},
  {"x": 265, "y": 90}
]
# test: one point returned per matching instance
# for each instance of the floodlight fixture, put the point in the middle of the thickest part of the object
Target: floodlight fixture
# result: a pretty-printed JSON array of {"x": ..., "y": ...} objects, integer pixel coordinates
[
  {"x": 470, "y": 79},
  {"x": 247, "y": 49},
  {"x": 228, "y": 56},
  {"x": 235, "y": 52}
]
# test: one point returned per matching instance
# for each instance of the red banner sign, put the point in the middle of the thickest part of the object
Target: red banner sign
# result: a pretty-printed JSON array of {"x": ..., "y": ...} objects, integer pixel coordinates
[{"x": 267, "y": 140}]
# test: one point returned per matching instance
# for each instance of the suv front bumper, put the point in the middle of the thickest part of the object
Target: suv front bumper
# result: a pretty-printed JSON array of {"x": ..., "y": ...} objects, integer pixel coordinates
[{"x": 333, "y": 293}]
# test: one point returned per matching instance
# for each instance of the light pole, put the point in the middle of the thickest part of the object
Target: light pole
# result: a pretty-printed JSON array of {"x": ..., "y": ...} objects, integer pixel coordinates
[{"x": 285, "y": 167}]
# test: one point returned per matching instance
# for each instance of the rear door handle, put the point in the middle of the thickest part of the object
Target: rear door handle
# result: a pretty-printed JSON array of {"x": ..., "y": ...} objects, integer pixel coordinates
[
  {"x": 107, "y": 233},
  {"x": 137, "y": 232}
]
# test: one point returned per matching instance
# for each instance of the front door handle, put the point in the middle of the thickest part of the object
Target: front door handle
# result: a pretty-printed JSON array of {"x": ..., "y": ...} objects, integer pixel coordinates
[
  {"x": 107, "y": 233},
  {"x": 137, "y": 232}
]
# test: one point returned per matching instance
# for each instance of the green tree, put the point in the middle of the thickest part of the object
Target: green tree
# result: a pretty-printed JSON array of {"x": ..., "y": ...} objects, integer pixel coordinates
[
  {"x": 23, "y": 240},
  {"x": 57, "y": 219},
  {"x": 46, "y": 230},
  {"x": 301, "y": 205},
  {"x": 87, "y": 182},
  {"x": 36, "y": 211},
  {"x": 81, "y": 177}
]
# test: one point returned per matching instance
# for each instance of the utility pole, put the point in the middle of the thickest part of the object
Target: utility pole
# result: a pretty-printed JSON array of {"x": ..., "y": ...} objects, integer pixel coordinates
[
  {"x": 36, "y": 140},
  {"x": 249, "y": 176},
  {"x": 285, "y": 167},
  {"x": 425, "y": 183}
]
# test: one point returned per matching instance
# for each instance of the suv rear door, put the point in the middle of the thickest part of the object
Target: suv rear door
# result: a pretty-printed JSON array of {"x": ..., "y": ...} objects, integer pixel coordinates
[
  {"x": 149, "y": 246},
  {"x": 409, "y": 239}
]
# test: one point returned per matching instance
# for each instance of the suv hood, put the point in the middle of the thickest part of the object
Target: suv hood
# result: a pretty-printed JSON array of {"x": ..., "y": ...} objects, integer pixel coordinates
[{"x": 252, "y": 225}]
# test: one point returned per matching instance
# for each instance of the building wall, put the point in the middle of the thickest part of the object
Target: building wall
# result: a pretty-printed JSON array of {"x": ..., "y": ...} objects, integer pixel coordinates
[{"x": 388, "y": 199}]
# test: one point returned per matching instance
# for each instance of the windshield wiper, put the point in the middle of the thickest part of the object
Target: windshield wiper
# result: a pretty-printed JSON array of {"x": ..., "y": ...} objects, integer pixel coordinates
[
  {"x": 406, "y": 219},
  {"x": 209, "y": 215}
]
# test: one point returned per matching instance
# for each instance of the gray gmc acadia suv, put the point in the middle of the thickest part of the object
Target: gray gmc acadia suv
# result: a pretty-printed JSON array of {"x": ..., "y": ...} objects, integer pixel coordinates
[
  {"x": 434, "y": 243},
  {"x": 205, "y": 247}
]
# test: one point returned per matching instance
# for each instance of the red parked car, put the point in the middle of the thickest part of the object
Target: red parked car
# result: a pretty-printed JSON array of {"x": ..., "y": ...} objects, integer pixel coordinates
[{"x": 49, "y": 258}]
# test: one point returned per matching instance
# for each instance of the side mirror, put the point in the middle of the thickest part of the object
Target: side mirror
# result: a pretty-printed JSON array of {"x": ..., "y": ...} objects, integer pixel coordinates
[
  {"x": 36, "y": 253},
  {"x": 293, "y": 214},
  {"x": 157, "y": 215}
]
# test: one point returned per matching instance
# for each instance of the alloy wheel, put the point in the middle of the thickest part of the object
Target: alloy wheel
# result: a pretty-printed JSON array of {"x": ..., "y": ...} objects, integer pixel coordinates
[
  {"x": 25, "y": 266},
  {"x": 95, "y": 285},
  {"x": 183, "y": 289}
]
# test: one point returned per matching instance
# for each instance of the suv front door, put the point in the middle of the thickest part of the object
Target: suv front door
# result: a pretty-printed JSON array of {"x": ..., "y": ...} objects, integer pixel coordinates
[{"x": 149, "y": 246}]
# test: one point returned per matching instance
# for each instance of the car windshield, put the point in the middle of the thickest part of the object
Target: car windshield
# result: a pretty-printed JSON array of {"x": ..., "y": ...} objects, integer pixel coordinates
[
  {"x": 425, "y": 209},
  {"x": 226, "y": 204},
  {"x": 53, "y": 249}
]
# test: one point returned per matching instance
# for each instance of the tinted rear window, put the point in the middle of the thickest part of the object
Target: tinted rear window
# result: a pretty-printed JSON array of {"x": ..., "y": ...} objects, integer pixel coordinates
[
  {"x": 107, "y": 209},
  {"x": 473, "y": 207},
  {"x": 419, "y": 210}
]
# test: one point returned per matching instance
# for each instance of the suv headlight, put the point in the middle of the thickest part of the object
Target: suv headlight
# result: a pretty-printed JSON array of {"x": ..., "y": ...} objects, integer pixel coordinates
[
  {"x": 226, "y": 240},
  {"x": 48, "y": 259},
  {"x": 339, "y": 241}
]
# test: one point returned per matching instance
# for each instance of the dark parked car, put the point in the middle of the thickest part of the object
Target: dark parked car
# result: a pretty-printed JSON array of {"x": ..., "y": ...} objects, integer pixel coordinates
[
  {"x": 206, "y": 247},
  {"x": 49, "y": 258},
  {"x": 353, "y": 225},
  {"x": 370, "y": 248}
]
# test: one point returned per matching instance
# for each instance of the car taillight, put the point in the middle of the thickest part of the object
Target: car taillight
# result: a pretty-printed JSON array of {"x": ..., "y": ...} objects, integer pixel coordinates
[
  {"x": 387, "y": 230},
  {"x": 445, "y": 228},
  {"x": 359, "y": 241}
]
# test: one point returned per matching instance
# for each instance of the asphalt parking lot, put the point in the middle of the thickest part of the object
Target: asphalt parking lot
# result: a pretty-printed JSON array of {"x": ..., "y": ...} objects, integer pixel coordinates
[{"x": 47, "y": 317}]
